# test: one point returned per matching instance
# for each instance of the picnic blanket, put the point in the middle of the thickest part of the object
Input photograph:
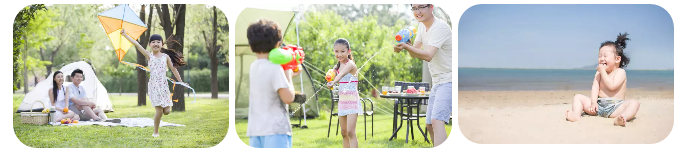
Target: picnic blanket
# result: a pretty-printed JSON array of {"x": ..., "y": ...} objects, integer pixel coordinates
[{"x": 126, "y": 122}]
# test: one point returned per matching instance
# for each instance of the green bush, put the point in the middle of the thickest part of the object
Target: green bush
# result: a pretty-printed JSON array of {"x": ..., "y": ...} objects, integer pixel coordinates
[{"x": 200, "y": 80}]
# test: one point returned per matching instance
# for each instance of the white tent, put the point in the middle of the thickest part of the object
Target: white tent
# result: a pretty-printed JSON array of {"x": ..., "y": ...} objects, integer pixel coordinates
[{"x": 94, "y": 89}]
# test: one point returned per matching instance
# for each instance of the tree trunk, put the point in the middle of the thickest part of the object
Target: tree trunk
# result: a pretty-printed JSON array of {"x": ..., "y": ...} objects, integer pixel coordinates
[
  {"x": 142, "y": 79},
  {"x": 119, "y": 88},
  {"x": 51, "y": 58},
  {"x": 179, "y": 36},
  {"x": 213, "y": 52},
  {"x": 25, "y": 66},
  {"x": 214, "y": 77},
  {"x": 49, "y": 70},
  {"x": 179, "y": 26},
  {"x": 164, "y": 17}
]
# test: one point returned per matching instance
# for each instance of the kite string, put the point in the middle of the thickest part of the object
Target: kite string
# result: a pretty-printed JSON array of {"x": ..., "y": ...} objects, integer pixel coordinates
[
  {"x": 168, "y": 78},
  {"x": 120, "y": 40}
]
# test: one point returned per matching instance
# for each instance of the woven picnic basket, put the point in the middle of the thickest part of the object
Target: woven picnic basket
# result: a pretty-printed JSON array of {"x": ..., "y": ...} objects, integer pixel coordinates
[{"x": 37, "y": 118}]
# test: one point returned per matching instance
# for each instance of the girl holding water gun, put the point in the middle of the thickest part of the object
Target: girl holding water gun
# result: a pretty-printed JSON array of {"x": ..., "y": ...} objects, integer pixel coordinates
[
  {"x": 349, "y": 99},
  {"x": 160, "y": 59}
]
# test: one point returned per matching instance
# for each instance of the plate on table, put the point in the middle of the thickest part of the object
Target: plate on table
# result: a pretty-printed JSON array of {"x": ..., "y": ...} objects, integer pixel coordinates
[
  {"x": 393, "y": 94},
  {"x": 413, "y": 94}
]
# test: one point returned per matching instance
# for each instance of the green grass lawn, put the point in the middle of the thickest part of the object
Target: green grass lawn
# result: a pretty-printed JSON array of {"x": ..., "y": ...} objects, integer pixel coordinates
[
  {"x": 206, "y": 123},
  {"x": 316, "y": 134}
]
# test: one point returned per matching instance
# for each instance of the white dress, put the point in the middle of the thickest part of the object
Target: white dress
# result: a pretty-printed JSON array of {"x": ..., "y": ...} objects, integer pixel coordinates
[
  {"x": 59, "y": 103},
  {"x": 158, "y": 85}
]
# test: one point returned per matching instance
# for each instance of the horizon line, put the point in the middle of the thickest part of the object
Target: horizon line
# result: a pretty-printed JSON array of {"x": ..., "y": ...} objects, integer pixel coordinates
[{"x": 559, "y": 68}]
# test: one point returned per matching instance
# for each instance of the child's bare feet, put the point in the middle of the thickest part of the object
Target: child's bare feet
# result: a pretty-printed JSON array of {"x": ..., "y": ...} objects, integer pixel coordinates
[
  {"x": 572, "y": 116},
  {"x": 620, "y": 121}
]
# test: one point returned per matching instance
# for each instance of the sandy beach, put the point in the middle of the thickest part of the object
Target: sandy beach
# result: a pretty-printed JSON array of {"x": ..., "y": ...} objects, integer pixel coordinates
[{"x": 538, "y": 117}]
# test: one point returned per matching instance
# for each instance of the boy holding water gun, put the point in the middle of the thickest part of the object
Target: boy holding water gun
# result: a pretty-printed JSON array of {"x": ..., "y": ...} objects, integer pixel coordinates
[
  {"x": 270, "y": 91},
  {"x": 434, "y": 45}
]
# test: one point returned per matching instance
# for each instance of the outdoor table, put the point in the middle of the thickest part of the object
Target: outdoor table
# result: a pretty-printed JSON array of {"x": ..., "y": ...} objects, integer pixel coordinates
[{"x": 398, "y": 112}]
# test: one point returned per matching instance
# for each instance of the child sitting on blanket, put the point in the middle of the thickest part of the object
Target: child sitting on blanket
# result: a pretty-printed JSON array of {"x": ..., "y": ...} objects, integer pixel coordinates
[
  {"x": 270, "y": 91},
  {"x": 608, "y": 87}
]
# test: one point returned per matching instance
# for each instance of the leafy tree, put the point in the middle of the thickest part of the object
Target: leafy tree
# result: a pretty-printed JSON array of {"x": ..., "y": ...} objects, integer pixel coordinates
[
  {"x": 21, "y": 21},
  {"x": 371, "y": 45}
]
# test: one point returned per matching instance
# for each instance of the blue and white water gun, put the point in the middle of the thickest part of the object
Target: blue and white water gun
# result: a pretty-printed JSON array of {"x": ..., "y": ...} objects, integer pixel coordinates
[{"x": 405, "y": 35}]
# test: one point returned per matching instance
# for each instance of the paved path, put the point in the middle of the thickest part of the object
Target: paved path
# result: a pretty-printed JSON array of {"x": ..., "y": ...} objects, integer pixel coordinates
[{"x": 199, "y": 95}]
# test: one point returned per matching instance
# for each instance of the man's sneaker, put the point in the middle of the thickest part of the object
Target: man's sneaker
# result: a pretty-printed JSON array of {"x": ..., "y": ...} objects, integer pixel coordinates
[{"x": 113, "y": 120}]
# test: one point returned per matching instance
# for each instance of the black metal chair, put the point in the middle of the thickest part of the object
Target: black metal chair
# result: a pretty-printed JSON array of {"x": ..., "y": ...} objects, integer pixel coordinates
[
  {"x": 370, "y": 112},
  {"x": 335, "y": 100}
]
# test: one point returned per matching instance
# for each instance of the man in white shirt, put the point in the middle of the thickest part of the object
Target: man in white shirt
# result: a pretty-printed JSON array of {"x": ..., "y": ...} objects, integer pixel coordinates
[
  {"x": 79, "y": 102},
  {"x": 434, "y": 45}
]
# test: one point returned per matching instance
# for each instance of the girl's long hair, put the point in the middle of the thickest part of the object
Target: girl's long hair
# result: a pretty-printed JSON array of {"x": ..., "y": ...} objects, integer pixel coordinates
[
  {"x": 55, "y": 88},
  {"x": 175, "y": 57}
]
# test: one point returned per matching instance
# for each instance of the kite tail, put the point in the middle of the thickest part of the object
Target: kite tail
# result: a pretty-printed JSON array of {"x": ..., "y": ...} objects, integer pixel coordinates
[
  {"x": 183, "y": 84},
  {"x": 135, "y": 64},
  {"x": 168, "y": 78}
]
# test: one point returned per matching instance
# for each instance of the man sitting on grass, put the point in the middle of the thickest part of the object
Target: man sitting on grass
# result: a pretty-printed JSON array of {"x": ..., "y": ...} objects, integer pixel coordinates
[{"x": 79, "y": 102}]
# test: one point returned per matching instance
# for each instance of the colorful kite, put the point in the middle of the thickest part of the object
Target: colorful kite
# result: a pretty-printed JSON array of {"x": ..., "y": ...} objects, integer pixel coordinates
[{"x": 122, "y": 17}]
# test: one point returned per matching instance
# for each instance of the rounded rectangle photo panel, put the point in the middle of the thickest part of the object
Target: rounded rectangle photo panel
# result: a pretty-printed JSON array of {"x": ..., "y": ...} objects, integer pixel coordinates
[
  {"x": 343, "y": 76},
  {"x": 120, "y": 76},
  {"x": 565, "y": 74}
]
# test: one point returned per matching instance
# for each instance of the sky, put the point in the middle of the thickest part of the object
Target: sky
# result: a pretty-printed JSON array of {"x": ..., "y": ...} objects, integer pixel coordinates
[{"x": 562, "y": 36}]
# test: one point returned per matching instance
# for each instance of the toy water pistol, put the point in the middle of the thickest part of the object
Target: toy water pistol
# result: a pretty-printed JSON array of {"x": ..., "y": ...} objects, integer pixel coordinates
[
  {"x": 289, "y": 56},
  {"x": 331, "y": 73},
  {"x": 405, "y": 35}
]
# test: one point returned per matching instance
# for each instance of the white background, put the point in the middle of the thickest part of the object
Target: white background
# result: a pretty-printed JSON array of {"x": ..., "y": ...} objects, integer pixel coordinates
[{"x": 456, "y": 141}]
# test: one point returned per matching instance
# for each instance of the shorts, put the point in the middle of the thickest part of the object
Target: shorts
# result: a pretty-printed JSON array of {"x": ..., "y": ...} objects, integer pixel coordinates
[
  {"x": 607, "y": 106},
  {"x": 81, "y": 113},
  {"x": 440, "y": 103},
  {"x": 271, "y": 141}
]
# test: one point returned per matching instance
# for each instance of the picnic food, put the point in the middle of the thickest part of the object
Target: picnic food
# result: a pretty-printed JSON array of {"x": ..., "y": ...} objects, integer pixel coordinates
[
  {"x": 65, "y": 109},
  {"x": 412, "y": 91},
  {"x": 75, "y": 121},
  {"x": 66, "y": 121},
  {"x": 46, "y": 110}
]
